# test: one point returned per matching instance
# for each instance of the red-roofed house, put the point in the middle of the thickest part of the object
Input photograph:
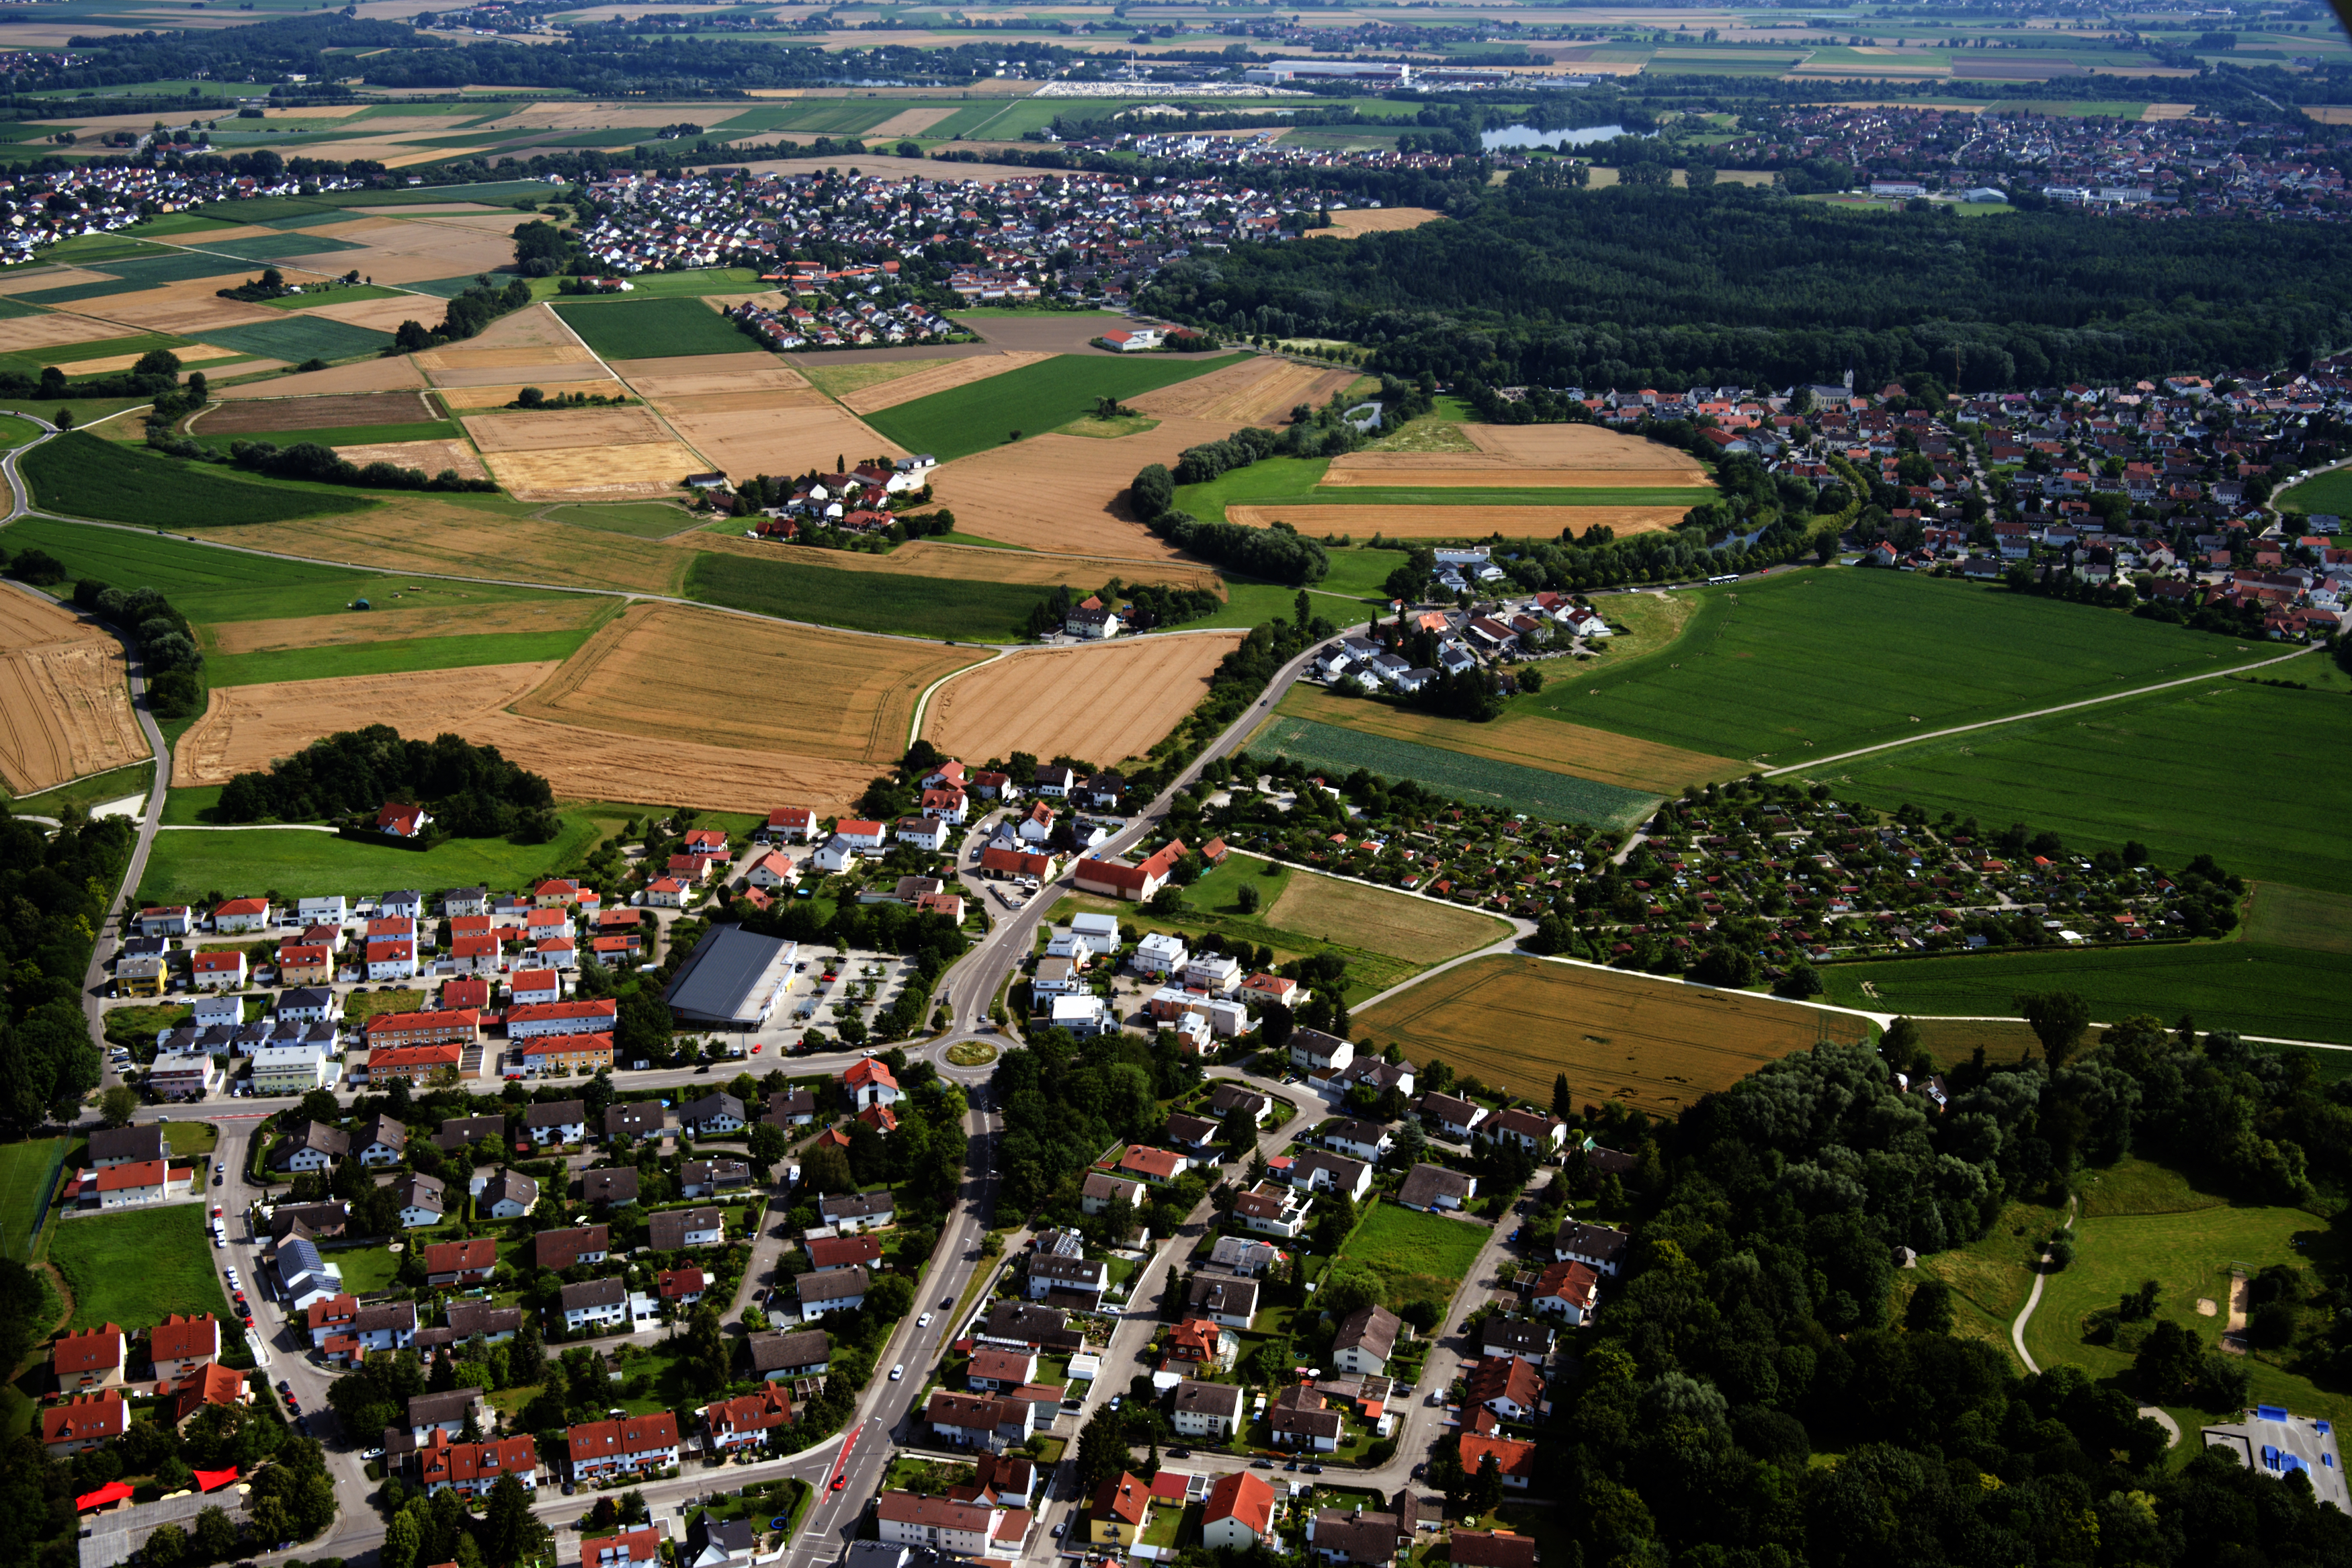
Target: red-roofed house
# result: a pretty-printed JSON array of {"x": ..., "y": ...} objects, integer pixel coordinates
[
  {"x": 793, "y": 823},
  {"x": 178, "y": 1344},
  {"x": 1135, "y": 882},
  {"x": 744, "y": 1423},
  {"x": 90, "y": 1359},
  {"x": 401, "y": 822},
  {"x": 1158, "y": 1166},
  {"x": 1516, "y": 1460},
  {"x": 215, "y": 969},
  {"x": 1240, "y": 1513},
  {"x": 870, "y": 1081},
  {"x": 460, "y": 1262},
  {"x": 83, "y": 1423},
  {"x": 144, "y": 1181},
  {"x": 471, "y": 1470}
]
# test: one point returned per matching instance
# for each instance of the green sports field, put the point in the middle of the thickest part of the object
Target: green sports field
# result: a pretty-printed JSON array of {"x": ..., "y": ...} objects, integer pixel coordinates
[
  {"x": 187, "y": 863},
  {"x": 84, "y": 476},
  {"x": 628, "y": 328},
  {"x": 1033, "y": 400},
  {"x": 945, "y": 608},
  {"x": 1813, "y": 663},
  {"x": 1475, "y": 779},
  {"x": 2153, "y": 768},
  {"x": 137, "y": 1266},
  {"x": 2283, "y": 993}
]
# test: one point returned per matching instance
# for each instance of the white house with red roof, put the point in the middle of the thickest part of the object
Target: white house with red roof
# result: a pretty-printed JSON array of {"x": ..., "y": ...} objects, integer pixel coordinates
[
  {"x": 1239, "y": 1513},
  {"x": 401, "y": 822},
  {"x": 794, "y": 824},
  {"x": 242, "y": 914},
  {"x": 862, "y": 834},
  {"x": 774, "y": 869},
  {"x": 596, "y": 1016},
  {"x": 870, "y": 1082},
  {"x": 219, "y": 969}
]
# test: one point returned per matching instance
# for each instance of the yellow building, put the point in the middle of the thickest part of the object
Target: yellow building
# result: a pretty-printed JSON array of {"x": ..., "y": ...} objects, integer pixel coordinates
[
  {"x": 547, "y": 1053},
  {"x": 1120, "y": 1510},
  {"x": 140, "y": 974}
]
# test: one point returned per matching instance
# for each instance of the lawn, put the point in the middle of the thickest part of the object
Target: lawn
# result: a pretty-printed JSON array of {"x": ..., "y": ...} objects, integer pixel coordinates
[
  {"x": 1418, "y": 1257},
  {"x": 24, "y": 1171},
  {"x": 672, "y": 285},
  {"x": 1475, "y": 780},
  {"x": 96, "y": 790},
  {"x": 1034, "y": 399},
  {"x": 2085, "y": 775},
  {"x": 15, "y": 432},
  {"x": 1266, "y": 480},
  {"x": 207, "y": 584},
  {"x": 2284, "y": 916},
  {"x": 347, "y": 435},
  {"x": 653, "y": 328},
  {"x": 2190, "y": 1256},
  {"x": 1768, "y": 670},
  {"x": 187, "y": 864},
  {"x": 1360, "y": 573},
  {"x": 2328, "y": 494},
  {"x": 300, "y": 338},
  {"x": 82, "y": 475},
  {"x": 640, "y": 519},
  {"x": 392, "y": 657},
  {"x": 1992, "y": 1275},
  {"x": 2254, "y": 988},
  {"x": 1330, "y": 909},
  {"x": 365, "y": 1270},
  {"x": 137, "y": 1266},
  {"x": 952, "y": 610},
  {"x": 343, "y": 294}
]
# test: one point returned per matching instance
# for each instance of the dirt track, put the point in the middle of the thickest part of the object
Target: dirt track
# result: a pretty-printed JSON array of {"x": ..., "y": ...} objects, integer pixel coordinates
[{"x": 1103, "y": 704}]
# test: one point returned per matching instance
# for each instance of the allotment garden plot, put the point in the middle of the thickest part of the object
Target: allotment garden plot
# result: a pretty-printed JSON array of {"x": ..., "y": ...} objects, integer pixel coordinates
[{"x": 1652, "y": 1044}]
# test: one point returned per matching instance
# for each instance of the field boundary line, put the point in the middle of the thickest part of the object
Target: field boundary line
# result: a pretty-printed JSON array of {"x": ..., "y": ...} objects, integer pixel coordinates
[
  {"x": 923, "y": 699},
  {"x": 2037, "y": 713},
  {"x": 2001, "y": 1018}
]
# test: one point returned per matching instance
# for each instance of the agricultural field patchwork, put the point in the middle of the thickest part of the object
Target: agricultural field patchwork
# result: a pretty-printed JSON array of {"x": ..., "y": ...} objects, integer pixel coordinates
[
  {"x": 645, "y": 328},
  {"x": 84, "y": 476},
  {"x": 862, "y": 601},
  {"x": 1110, "y": 703},
  {"x": 1034, "y": 398},
  {"x": 65, "y": 709},
  {"x": 1649, "y": 1044},
  {"x": 1475, "y": 780}
]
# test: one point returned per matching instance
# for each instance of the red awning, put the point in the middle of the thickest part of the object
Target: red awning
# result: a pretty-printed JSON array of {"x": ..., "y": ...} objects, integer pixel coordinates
[
  {"x": 213, "y": 1480},
  {"x": 112, "y": 1491}
]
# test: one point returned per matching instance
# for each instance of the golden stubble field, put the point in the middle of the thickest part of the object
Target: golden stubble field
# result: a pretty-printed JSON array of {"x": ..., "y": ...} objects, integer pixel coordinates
[
  {"x": 977, "y": 563},
  {"x": 408, "y": 532},
  {"x": 558, "y": 614},
  {"x": 1393, "y": 924},
  {"x": 935, "y": 376},
  {"x": 1260, "y": 390},
  {"x": 245, "y": 726},
  {"x": 64, "y": 712},
  {"x": 833, "y": 696},
  {"x": 1111, "y": 702},
  {"x": 1062, "y": 493},
  {"x": 1650, "y": 1043}
]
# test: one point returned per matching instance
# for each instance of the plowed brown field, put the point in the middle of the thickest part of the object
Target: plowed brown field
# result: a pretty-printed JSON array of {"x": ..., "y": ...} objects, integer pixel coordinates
[
  {"x": 431, "y": 456},
  {"x": 566, "y": 428},
  {"x": 316, "y": 413},
  {"x": 1452, "y": 522},
  {"x": 1655, "y": 1044},
  {"x": 1257, "y": 391},
  {"x": 1109, "y": 702},
  {"x": 940, "y": 377},
  {"x": 556, "y": 614},
  {"x": 571, "y": 473},
  {"x": 64, "y": 712},
  {"x": 366, "y": 376},
  {"x": 1063, "y": 492},
  {"x": 655, "y": 662}
]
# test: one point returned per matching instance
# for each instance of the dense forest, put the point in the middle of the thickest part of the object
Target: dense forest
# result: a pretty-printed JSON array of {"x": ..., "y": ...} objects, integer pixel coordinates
[
  {"x": 471, "y": 791},
  {"x": 53, "y": 898},
  {"x": 1635, "y": 286},
  {"x": 1766, "y": 1316}
]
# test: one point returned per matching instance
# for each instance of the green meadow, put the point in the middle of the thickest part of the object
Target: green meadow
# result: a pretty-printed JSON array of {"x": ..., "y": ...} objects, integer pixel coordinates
[{"x": 1032, "y": 400}]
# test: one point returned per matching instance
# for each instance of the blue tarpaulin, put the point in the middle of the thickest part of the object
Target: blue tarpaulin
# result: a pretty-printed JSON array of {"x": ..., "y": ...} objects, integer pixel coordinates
[{"x": 2270, "y": 1413}]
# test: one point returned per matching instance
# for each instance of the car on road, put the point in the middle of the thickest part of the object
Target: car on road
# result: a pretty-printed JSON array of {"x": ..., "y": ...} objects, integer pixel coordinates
[
  {"x": 899, "y": 1372},
  {"x": 1292, "y": 1466},
  {"x": 284, "y": 1386},
  {"x": 946, "y": 1302},
  {"x": 1314, "y": 1469},
  {"x": 568, "y": 1488},
  {"x": 1180, "y": 1453},
  {"x": 1261, "y": 1464},
  {"x": 924, "y": 1321},
  {"x": 839, "y": 1482},
  {"x": 373, "y": 1454}
]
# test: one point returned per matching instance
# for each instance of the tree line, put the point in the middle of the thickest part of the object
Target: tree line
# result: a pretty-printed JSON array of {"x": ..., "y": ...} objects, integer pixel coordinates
[{"x": 471, "y": 791}]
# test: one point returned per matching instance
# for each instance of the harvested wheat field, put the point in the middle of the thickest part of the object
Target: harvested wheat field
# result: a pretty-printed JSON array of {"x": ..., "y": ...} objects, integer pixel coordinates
[
  {"x": 52, "y": 329},
  {"x": 555, "y": 615},
  {"x": 431, "y": 456},
  {"x": 64, "y": 712},
  {"x": 380, "y": 315},
  {"x": 743, "y": 402},
  {"x": 612, "y": 473},
  {"x": 466, "y": 399},
  {"x": 328, "y": 412},
  {"x": 1430, "y": 473},
  {"x": 1063, "y": 493},
  {"x": 1375, "y": 220},
  {"x": 696, "y": 374},
  {"x": 534, "y": 326},
  {"x": 1528, "y": 739},
  {"x": 564, "y": 428},
  {"x": 1451, "y": 522},
  {"x": 910, "y": 122},
  {"x": 245, "y": 726},
  {"x": 1394, "y": 925},
  {"x": 657, "y": 661},
  {"x": 410, "y": 532},
  {"x": 1257, "y": 391},
  {"x": 975, "y": 564},
  {"x": 395, "y": 374},
  {"x": 1656, "y": 1045},
  {"x": 781, "y": 440},
  {"x": 196, "y": 356},
  {"x": 189, "y": 314},
  {"x": 32, "y": 279},
  {"x": 550, "y": 372},
  {"x": 1114, "y": 701},
  {"x": 595, "y": 765},
  {"x": 940, "y": 376},
  {"x": 1581, "y": 446},
  {"x": 522, "y": 356}
]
